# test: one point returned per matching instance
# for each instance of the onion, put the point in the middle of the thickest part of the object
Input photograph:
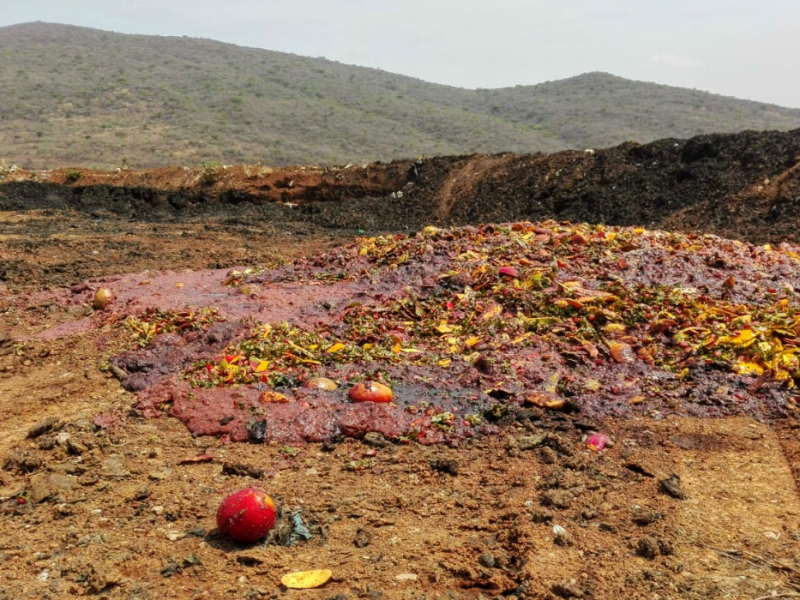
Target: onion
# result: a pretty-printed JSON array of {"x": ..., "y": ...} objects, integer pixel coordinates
[
  {"x": 321, "y": 383},
  {"x": 102, "y": 298}
]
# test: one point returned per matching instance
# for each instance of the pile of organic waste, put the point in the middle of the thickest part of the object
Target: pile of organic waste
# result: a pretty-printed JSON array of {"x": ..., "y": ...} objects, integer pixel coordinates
[{"x": 470, "y": 327}]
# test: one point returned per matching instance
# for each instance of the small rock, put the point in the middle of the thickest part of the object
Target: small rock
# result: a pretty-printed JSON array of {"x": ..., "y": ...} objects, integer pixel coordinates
[
  {"x": 160, "y": 474},
  {"x": 22, "y": 462},
  {"x": 96, "y": 539},
  {"x": 647, "y": 547},
  {"x": 557, "y": 498},
  {"x": 243, "y": 470},
  {"x": 375, "y": 439},
  {"x": 529, "y": 442},
  {"x": 142, "y": 493},
  {"x": 174, "y": 536},
  {"x": 192, "y": 559},
  {"x": 249, "y": 559},
  {"x": 672, "y": 487},
  {"x": 562, "y": 537},
  {"x": 542, "y": 516},
  {"x": 526, "y": 414},
  {"x": 449, "y": 466},
  {"x": 665, "y": 547},
  {"x": 114, "y": 466},
  {"x": 644, "y": 518},
  {"x": 566, "y": 589},
  {"x": 47, "y": 442},
  {"x": 118, "y": 373},
  {"x": 487, "y": 560},
  {"x": 47, "y": 485},
  {"x": 45, "y": 426},
  {"x": 76, "y": 448},
  {"x": 257, "y": 431},
  {"x": 363, "y": 538},
  {"x": 406, "y": 577},
  {"x": 67, "y": 468},
  {"x": 547, "y": 455}
]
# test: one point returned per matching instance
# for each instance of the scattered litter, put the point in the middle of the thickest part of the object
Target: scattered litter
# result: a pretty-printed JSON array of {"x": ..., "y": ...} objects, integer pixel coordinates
[
  {"x": 299, "y": 529},
  {"x": 302, "y": 580}
]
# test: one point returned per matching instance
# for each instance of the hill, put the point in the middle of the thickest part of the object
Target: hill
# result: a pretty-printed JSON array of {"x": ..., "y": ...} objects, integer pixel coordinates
[{"x": 77, "y": 95}]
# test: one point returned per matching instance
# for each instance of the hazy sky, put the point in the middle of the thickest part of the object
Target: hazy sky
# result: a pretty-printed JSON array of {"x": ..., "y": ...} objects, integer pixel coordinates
[{"x": 744, "y": 48}]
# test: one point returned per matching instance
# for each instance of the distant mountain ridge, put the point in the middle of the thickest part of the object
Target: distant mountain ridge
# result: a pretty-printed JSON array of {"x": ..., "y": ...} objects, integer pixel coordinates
[{"x": 73, "y": 95}]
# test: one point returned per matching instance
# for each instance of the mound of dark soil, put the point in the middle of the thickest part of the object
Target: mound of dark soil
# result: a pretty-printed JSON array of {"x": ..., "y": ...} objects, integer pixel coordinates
[{"x": 740, "y": 185}]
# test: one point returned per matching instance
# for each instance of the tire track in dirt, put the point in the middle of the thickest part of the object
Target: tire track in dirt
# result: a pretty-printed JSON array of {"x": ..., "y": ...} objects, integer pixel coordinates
[{"x": 461, "y": 181}]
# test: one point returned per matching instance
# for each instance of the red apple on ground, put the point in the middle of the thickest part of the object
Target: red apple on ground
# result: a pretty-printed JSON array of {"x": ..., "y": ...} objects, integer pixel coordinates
[{"x": 246, "y": 515}]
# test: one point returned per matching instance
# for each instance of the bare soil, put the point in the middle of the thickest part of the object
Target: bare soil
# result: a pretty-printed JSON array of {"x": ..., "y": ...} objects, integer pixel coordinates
[{"x": 98, "y": 500}]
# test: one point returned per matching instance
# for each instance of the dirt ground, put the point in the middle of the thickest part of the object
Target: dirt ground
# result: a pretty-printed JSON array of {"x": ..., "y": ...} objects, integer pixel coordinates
[{"x": 96, "y": 500}]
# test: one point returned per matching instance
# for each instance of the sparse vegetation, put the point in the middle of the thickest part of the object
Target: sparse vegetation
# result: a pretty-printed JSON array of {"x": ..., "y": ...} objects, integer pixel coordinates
[
  {"x": 76, "y": 95},
  {"x": 210, "y": 173}
]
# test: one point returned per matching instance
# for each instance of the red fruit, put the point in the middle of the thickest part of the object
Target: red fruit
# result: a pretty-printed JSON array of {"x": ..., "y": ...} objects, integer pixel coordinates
[
  {"x": 246, "y": 515},
  {"x": 509, "y": 272},
  {"x": 370, "y": 391}
]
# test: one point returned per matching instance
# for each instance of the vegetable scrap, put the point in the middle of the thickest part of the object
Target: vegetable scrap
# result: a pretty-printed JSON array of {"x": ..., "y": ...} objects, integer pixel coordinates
[
  {"x": 154, "y": 322},
  {"x": 300, "y": 530},
  {"x": 246, "y": 516},
  {"x": 597, "y": 442},
  {"x": 568, "y": 292}
]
